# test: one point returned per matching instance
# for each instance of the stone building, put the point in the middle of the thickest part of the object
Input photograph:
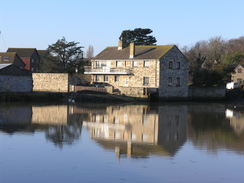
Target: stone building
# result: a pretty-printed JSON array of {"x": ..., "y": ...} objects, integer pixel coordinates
[{"x": 141, "y": 70}]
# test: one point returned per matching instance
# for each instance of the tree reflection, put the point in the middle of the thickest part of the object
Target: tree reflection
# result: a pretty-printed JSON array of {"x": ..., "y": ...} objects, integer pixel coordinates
[{"x": 62, "y": 135}]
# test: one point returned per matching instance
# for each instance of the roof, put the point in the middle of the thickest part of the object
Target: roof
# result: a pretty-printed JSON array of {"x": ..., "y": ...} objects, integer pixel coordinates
[
  {"x": 14, "y": 70},
  {"x": 42, "y": 53},
  {"x": 11, "y": 56},
  {"x": 4, "y": 65},
  {"x": 23, "y": 52},
  {"x": 141, "y": 52}
]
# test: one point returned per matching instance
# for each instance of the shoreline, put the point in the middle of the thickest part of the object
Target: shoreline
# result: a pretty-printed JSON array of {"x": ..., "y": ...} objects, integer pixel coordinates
[{"x": 98, "y": 97}]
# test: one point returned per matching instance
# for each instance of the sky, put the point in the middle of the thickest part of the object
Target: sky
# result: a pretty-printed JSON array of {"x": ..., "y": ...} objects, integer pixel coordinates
[{"x": 99, "y": 23}]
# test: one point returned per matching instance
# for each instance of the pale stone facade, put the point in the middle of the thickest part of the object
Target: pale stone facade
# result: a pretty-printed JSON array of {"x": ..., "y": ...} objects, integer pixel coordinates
[
  {"x": 54, "y": 82},
  {"x": 238, "y": 75},
  {"x": 140, "y": 70}
]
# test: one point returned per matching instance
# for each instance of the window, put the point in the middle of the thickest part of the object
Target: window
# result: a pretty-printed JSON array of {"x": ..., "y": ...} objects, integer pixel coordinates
[
  {"x": 116, "y": 135},
  {"x": 177, "y": 81},
  {"x": 146, "y": 64},
  {"x": 135, "y": 64},
  {"x": 145, "y": 80},
  {"x": 178, "y": 65},
  {"x": 106, "y": 78},
  {"x": 133, "y": 137},
  {"x": 118, "y": 63},
  {"x": 170, "y": 81},
  {"x": 0, "y": 57},
  {"x": 144, "y": 138},
  {"x": 32, "y": 69},
  {"x": 239, "y": 70},
  {"x": 6, "y": 59},
  {"x": 170, "y": 64},
  {"x": 116, "y": 78},
  {"x": 97, "y": 78},
  {"x": 32, "y": 60}
]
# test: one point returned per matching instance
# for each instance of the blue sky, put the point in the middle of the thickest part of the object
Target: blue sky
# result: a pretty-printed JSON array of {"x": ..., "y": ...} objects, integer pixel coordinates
[{"x": 39, "y": 23}]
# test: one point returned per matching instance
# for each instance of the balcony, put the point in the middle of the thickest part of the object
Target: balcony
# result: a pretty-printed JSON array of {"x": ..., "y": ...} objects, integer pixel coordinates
[{"x": 107, "y": 70}]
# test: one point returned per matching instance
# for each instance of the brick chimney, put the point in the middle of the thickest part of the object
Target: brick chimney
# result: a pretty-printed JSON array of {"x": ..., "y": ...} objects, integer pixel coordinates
[
  {"x": 120, "y": 45},
  {"x": 132, "y": 50}
]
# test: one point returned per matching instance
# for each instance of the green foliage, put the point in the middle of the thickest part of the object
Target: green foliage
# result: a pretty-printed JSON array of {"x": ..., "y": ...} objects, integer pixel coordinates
[
  {"x": 64, "y": 57},
  {"x": 235, "y": 58},
  {"x": 139, "y": 36},
  {"x": 210, "y": 60}
]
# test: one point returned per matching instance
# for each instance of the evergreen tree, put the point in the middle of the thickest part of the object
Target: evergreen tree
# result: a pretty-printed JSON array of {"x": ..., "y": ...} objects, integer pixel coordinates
[{"x": 139, "y": 36}]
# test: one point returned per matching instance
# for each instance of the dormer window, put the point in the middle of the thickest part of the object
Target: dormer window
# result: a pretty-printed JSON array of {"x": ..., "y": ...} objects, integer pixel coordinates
[{"x": 6, "y": 59}]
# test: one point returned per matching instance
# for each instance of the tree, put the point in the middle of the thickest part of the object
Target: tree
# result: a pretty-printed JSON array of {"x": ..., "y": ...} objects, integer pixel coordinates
[
  {"x": 66, "y": 56},
  {"x": 139, "y": 36},
  {"x": 89, "y": 54}
]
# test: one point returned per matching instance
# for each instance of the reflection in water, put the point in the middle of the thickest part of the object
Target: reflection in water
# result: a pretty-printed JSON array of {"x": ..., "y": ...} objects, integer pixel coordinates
[
  {"x": 213, "y": 128},
  {"x": 132, "y": 130},
  {"x": 59, "y": 122},
  {"x": 139, "y": 130}
]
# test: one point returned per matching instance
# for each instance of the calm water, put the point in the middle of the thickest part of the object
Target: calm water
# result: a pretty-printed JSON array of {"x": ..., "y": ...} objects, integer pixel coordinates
[{"x": 170, "y": 142}]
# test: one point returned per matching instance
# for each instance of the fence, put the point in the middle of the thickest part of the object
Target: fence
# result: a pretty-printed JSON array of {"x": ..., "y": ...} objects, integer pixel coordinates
[{"x": 87, "y": 88}]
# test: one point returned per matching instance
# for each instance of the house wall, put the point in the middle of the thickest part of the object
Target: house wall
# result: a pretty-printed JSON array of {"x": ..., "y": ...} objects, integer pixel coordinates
[
  {"x": 135, "y": 79},
  {"x": 53, "y": 82},
  {"x": 238, "y": 76},
  {"x": 27, "y": 62},
  {"x": 173, "y": 90},
  {"x": 15, "y": 83},
  {"x": 34, "y": 62}
]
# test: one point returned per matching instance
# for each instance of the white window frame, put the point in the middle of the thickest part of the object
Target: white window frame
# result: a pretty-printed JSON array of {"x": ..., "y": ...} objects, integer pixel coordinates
[{"x": 134, "y": 63}]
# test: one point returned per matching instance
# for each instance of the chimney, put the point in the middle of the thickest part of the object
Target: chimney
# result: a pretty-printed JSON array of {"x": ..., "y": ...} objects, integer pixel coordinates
[
  {"x": 120, "y": 45},
  {"x": 132, "y": 50}
]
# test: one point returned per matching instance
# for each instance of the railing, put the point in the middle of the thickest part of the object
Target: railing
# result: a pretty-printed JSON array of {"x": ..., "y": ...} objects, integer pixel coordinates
[
  {"x": 107, "y": 70},
  {"x": 87, "y": 88}
]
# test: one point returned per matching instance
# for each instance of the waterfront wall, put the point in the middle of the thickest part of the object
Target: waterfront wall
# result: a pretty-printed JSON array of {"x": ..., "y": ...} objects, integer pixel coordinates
[
  {"x": 54, "y": 82},
  {"x": 207, "y": 92},
  {"x": 15, "y": 83}
]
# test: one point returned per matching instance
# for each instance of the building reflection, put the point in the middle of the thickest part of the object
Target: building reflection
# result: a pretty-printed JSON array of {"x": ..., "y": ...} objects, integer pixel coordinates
[
  {"x": 139, "y": 130},
  {"x": 215, "y": 127},
  {"x": 61, "y": 123},
  {"x": 131, "y": 130},
  {"x": 236, "y": 120}
]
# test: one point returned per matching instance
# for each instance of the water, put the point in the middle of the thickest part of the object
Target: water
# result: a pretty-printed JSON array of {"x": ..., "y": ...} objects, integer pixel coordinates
[{"x": 169, "y": 142}]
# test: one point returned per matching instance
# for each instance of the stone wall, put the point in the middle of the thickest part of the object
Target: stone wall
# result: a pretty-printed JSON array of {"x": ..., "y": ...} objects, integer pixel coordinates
[
  {"x": 207, "y": 92},
  {"x": 54, "y": 82},
  {"x": 177, "y": 86},
  {"x": 15, "y": 83}
]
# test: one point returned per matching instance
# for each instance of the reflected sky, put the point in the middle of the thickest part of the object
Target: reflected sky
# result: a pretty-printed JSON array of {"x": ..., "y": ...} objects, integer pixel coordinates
[{"x": 169, "y": 142}]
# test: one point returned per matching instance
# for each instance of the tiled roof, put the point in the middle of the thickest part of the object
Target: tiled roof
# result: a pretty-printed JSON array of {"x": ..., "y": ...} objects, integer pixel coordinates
[
  {"x": 14, "y": 70},
  {"x": 42, "y": 53},
  {"x": 11, "y": 56},
  {"x": 141, "y": 52},
  {"x": 22, "y": 52}
]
